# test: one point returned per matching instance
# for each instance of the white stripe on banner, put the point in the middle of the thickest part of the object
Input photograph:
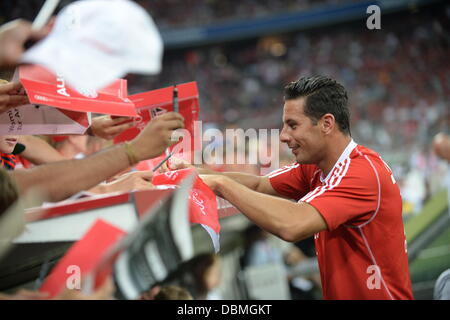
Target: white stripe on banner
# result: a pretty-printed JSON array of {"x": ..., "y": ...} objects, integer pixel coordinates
[{"x": 215, "y": 238}]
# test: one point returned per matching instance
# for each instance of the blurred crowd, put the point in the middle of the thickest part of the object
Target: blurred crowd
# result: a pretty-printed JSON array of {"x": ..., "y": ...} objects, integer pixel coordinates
[
  {"x": 188, "y": 13},
  {"x": 398, "y": 79},
  {"x": 173, "y": 13}
]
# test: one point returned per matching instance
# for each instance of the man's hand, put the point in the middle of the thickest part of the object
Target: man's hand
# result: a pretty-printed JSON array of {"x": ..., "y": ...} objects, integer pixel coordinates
[
  {"x": 175, "y": 164},
  {"x": 137, "y": 180},
  {"x": 288, "y": 220},
  {"x": 156, "y": 136},
  {"x": 12, "y": 95},
  {"x": 214, "y": 182},
  {"x": 107, "y": 128},
  {"x": 179, "y": 163},
  {"x": 13, "y": 36},
  {"x": 62, "y": 179}
]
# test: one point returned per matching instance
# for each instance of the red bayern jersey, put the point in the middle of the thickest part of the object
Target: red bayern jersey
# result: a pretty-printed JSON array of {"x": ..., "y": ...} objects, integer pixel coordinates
[{"x": 362, "y": 254}]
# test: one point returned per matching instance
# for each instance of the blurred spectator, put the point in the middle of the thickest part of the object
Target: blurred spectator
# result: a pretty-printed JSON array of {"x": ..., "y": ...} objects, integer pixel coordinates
[
  {"x": 24, "y": 294},
  {"x": 441, "y": 146},
  {"x": 170, "y": 292},
  {"x": 200, "y": 275},
  {"x": 173, "y": 293},
  {"x": 104, "y": 292},
  {"x": 260, "y": 248},
  {"x": 7, "y": 145}
]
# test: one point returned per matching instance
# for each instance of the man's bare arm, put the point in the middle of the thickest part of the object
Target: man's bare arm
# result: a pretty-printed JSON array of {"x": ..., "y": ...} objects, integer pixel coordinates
[
  {"x": 288, "y": 220},
  {"x": 256, "y": 183},
  {"x": 39, "y": 151},
  {"x": 62, "y": 179}
]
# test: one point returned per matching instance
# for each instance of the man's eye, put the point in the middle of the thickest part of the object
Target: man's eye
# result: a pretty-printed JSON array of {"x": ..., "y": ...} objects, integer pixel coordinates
[{"x": 293, "y": 126}]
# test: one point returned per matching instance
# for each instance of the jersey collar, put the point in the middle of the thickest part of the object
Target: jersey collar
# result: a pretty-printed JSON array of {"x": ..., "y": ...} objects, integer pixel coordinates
[{"x": 345, "y": 154}]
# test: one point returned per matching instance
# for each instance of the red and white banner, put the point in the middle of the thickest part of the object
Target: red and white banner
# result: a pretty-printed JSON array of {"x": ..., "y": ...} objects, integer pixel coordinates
[
  {"x": 202, "y": 201},
  {"x": 46, "y": 88},
  {"x": 83, "y": 258},
  {"x": 156, "y": 102},
  {"x": 162, "y": 231},
  {"x": 58, "y": 109}
]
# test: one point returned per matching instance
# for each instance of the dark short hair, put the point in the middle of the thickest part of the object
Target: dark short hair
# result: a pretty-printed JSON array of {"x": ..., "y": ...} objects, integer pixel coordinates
[
  {"x": 323, "y": 95},
  {"x": 173, "y": 292}
]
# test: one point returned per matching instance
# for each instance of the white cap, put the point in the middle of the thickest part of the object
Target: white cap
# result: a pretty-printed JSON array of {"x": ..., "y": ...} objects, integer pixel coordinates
[{"x": 94, "y": 42}]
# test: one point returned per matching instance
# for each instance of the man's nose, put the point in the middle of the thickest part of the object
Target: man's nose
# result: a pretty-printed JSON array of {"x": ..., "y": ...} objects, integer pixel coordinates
[{"x": 284, "y": 137}]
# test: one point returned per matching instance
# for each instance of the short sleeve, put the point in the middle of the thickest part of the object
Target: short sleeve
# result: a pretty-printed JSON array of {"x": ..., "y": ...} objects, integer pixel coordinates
[
  {"x": 289, "y": 181},
  {"x": 346, "y": 198}
]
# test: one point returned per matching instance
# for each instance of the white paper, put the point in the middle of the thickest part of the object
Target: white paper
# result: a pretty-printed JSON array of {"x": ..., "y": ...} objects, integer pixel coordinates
[{"x": 30, "y": 120}]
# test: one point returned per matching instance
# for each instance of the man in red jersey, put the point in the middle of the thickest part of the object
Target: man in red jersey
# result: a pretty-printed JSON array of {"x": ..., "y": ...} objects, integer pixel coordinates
[{"x": 346, "y": 196}]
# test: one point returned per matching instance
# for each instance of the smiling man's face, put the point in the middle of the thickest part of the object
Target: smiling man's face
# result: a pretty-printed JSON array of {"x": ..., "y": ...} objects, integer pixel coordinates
[
  {"x": 7, "y": 143},
  {"x": 302, "y": 136}
]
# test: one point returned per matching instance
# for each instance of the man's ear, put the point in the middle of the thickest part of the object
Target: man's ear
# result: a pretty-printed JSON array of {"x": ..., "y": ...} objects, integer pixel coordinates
[{"x": 327, "y": 123}]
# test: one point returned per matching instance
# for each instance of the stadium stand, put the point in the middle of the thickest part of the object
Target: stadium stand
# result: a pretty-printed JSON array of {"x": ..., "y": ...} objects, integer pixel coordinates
[{"x": 398, "y": 79}]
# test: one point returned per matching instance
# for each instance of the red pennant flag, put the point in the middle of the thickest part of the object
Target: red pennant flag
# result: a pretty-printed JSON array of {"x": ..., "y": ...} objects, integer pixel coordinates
[
  {"x": 203, "y": 202},
  {"x": 45, "y": 88},
  {"x": 153, "y": 103},
  {"x": 82, "y": 258}
]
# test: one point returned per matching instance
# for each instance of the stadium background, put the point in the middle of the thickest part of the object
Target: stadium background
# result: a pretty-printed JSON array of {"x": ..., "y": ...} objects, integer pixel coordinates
[{"x": 242, "y": 53}]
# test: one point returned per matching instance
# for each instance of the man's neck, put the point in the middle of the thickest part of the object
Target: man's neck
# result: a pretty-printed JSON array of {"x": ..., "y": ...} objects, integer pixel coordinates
[{"x": 335, "y": 150}]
